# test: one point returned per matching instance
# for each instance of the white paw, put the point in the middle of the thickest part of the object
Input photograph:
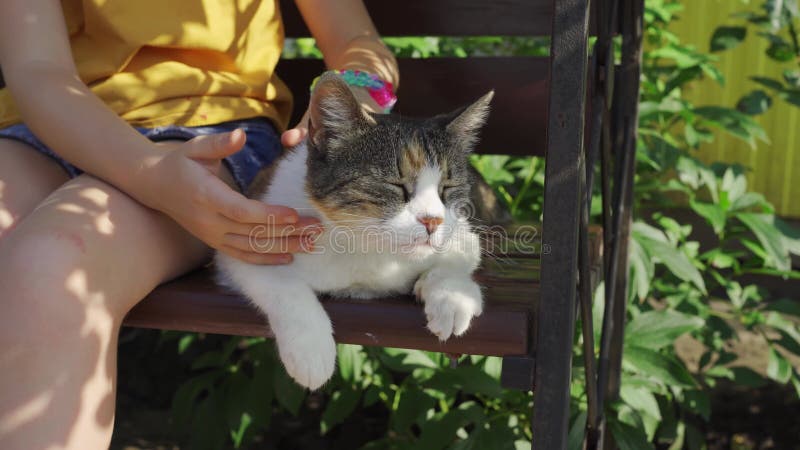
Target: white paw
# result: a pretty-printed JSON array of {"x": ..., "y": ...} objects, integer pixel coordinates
[
  {"x": 450, "y": 304},
  {"x": 309, "y": 357}
]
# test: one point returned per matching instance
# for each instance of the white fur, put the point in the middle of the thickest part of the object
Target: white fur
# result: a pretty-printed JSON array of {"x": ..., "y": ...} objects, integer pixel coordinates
[{"x": 367, "y": 260}]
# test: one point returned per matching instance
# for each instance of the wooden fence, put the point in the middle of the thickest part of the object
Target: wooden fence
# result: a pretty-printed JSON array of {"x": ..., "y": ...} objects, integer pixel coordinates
[{"x": 775, "y": 167}]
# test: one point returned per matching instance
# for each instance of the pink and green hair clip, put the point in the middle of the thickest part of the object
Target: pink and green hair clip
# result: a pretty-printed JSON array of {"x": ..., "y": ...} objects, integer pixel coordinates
[{"x": 381, "y": 91}]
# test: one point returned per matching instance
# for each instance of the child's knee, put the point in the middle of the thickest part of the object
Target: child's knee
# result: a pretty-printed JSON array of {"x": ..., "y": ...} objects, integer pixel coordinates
[{"x": 46, "y": 283}]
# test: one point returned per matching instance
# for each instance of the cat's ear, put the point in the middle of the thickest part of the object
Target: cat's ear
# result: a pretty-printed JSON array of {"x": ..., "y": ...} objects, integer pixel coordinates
[
  {"x": 467, "y": 123},
  {"x": 334, "y": 111}
]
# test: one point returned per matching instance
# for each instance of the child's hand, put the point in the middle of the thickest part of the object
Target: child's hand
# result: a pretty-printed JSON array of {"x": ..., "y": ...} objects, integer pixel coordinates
[
  {"x": 296, "y": 135},
  {"x": 184, "y": 183}
]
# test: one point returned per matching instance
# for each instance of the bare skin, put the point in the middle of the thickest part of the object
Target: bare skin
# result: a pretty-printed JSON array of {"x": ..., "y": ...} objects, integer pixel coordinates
[{"x": 78, "y": 254}]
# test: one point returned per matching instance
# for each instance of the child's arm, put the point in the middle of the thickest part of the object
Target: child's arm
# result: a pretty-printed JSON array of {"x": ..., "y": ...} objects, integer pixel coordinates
[
  {"x": 348, "y": 40},
  {"x": 63, "y": 112},
  {"x": 347, "y": 37}
]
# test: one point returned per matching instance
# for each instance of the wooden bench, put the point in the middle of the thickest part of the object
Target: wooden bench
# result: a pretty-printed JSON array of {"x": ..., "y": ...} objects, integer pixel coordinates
[{"x": 578, "y": 110}]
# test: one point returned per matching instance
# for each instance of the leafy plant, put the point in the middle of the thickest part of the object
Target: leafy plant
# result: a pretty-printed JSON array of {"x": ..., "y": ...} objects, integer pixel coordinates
[{"x": 777, "y": 22}]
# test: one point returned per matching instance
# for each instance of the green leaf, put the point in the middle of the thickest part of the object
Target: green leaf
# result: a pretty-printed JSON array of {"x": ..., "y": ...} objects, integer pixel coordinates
[
  {"x": 677, "y": 262},
  {"x": 786, "y": 327},
  {"x": 747, "y": 377},
  {"x": 644, "y": 229},
  {"x": 739, "y": 296},
  {"x": 756, "y": 248},
  {"x": 692, "y": 137},
  {"x": 234, "y": 394},
  {"x": 404, "y": 360},
  {"x": 769, "y": 83},
  {"x": 641, "y": 268},
  {"x": 440, "y": 430},
  {"x": 755, "y": 103},
  {"x": 238, "y": 434},
  {"x": 698, "y": 402},
  {"x": 781, "y": 51},
  {"x": 720, "y": 372},
  {"x": 474, "y": 380},
  {"x": 792, "y": 77},
  {"x": 764, "y": 228},
  {"x": 719, "y": 258},
  {"x": 665, "y": 368},
  {"x": 749, "y": 200},
  {"x": 493, "y": 366},
  {"x": 183, "y": 402},
  {"x": 577, "y": 430},
  {"x": 778, "y": 367},
  {"x": 726, "y": 38},
  {"x": 260, "y": 395},
  {"x": 185, "y": 341},
  {"x": 694, "y": 173},
  {"x": 786, "y": 306},
  {"x": 791, "y": 235},
  {"x": 713, "y": 213},
  {"x": 208, "y": 432},
  {"x": 657, "y": 329},
  {"x": 641, "y": 399},
  {"x": 682, "y": 77},
  {"x": 342, "y": 403},
  {"x": 734, "y": 183},
  {"x": 494, "y": 435},
  {"x": 350, "y": 361},
  {"x": 629, "y": 438},
  {"x": 734, "y": 122},
  {"x": 790, "y": 94},
  {"x": 288, "y": 393},
  {"x": 413, "y": 404}
]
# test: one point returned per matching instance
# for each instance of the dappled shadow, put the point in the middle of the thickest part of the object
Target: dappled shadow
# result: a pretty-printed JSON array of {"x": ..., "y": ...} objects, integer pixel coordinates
[{"x": 72, "y": 269}]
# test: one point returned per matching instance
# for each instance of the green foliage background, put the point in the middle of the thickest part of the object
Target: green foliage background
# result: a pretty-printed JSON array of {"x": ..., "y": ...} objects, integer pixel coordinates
[{"x": 408, "y": 399}]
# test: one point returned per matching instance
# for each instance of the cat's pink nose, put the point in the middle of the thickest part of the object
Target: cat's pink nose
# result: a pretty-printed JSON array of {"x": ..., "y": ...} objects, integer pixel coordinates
[{"x": 431, "y": 223}]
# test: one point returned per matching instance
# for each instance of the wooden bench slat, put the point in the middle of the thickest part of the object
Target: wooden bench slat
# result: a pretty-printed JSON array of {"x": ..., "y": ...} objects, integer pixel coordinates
[
  {"x": 517, "y": 123},
  {"x": 195, "y": 303},
  {"x": 445, "y": 17},
  {"x": 511, "y": 288}
]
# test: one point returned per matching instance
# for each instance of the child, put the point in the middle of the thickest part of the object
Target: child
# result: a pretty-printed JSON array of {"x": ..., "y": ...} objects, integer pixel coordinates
[{"x": 110, "y": 189}]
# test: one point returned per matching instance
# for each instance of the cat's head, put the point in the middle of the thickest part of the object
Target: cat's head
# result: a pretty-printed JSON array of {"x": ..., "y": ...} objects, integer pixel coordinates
[{"x": 406, "y": 179}]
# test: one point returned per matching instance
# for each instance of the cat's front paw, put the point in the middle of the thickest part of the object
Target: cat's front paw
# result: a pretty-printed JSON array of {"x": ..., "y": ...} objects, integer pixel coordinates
[
  {"x": 309, "y": 358},
  {"x": 450, "y": 304}
]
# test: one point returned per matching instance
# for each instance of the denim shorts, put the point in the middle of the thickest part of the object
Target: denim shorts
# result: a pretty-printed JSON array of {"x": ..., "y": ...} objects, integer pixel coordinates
[{"x": 263, "y": 145}]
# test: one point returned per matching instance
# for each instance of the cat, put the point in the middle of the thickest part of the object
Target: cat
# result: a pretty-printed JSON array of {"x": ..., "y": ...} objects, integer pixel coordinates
[{"x": 389, "y": 192}]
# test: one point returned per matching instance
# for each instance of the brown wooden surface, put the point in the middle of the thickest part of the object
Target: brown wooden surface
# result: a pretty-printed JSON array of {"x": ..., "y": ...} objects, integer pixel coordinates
[
  {"x": 517, "y": 123},
  {"x": 510, "y": 282},
  {"x": 446, "y": 17},
  {"x": 195, "y": 303}
]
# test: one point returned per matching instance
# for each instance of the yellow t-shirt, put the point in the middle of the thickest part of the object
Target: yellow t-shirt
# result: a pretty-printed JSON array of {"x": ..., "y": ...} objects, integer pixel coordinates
[{"x": 181, "y": 62}]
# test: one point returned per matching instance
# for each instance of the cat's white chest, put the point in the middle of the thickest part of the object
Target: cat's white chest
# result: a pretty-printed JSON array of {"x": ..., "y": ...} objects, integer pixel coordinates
[{"x": 363, "y": 275}]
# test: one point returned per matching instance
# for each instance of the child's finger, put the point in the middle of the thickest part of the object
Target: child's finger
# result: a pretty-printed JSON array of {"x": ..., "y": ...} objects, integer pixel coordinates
[
  {"x": 216, "y": 146},
  {"x": 293, "y": 137},
  {"x": 257, "y": 258},
  {"x": 239, "y": 208},
  {"x": 268, "y": 245},
  {"x": 304, "y": 226}
]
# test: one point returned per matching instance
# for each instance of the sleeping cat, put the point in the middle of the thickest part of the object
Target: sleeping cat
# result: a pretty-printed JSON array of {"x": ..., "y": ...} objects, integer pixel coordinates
[{"x": 389, "y": 191}]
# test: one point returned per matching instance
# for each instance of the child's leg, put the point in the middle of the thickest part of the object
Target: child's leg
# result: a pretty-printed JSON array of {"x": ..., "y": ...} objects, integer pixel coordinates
[
  {"x": 70, "y": 272},
  {"x": 26, "y": 178}
]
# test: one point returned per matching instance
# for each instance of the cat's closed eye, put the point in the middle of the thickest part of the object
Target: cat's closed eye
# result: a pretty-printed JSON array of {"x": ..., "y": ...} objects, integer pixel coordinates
[
  {"x": 403, "y": 188},
  {"x": 448, "y": 187}
]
